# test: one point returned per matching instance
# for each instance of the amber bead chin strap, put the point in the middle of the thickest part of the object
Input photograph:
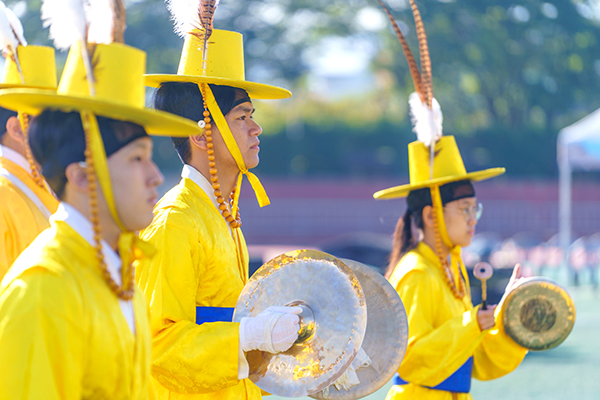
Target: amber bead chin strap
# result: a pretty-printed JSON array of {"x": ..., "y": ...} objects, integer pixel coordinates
[
  {"x": 223, "y": 206},
  {"x": 37, "y": 177},
  {"x": 124, "y": 292},
  {"x": 459, "y": 292}
]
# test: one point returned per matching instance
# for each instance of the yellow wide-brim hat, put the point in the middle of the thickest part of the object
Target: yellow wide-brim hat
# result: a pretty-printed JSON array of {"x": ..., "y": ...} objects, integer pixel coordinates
[
  {"x": 118, "y": 72},
  {"x": 38, "y": 66},
  {"x": 448, "y": 167},
  {"x": 224, "y": 66}
]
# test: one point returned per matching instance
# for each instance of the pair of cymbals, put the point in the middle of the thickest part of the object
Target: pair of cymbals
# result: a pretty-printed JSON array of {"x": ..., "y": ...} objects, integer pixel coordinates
[{"x": 345, "y": 305}]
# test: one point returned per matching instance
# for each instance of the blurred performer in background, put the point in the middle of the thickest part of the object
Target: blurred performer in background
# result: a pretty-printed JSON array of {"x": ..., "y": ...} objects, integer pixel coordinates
[
  {"x": 26, "y": 201},
  {"x": 73, "y": 325},
  {"x": 450, "y": 341},
  {"x": 193, "y": 284}
]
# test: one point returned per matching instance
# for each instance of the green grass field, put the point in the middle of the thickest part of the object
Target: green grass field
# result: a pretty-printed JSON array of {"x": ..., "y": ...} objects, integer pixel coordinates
[{"x": 571, "y": 371}]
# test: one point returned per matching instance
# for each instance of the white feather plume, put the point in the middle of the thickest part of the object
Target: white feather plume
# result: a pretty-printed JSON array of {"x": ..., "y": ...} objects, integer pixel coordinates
[
  {"x": 8, "y": 40},
  {"x": 67, "y": 21},
  {"x": 16, "y": 26},
  {"x": 100, "y": 21},
  {"x": 185, "y": 15},
  {"x": 427, "y": 122}
]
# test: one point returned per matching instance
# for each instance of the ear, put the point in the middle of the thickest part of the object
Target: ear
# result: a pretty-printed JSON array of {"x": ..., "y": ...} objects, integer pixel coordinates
[
  {"x": 428, "y": 216},
  {"x": 199, "y": 141},
  {"x": 77, "y": 177},
  {"x": 13, "y": 129}
]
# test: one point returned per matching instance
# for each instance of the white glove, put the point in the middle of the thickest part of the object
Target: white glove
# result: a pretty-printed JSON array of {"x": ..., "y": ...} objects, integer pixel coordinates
[
  {"x": 349, "y": 378},
  {"x": 274, "y": 330}
]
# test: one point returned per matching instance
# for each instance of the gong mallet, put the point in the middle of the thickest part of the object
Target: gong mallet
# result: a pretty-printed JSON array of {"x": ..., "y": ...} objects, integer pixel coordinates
[{"x": 483, "y": 271}]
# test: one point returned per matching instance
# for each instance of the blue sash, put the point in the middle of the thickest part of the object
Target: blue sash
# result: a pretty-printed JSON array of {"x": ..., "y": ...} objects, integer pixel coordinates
[
  {"x": 213, "y": 314},
  {"x": 458, "y": 382}
]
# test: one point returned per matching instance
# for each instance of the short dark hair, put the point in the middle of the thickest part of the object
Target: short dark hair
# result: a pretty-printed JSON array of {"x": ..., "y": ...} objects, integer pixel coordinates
[
  {"x": 57, "y": 139},
  {"x": 5, "y": 115},
  {"x": 185, "y": 99}
]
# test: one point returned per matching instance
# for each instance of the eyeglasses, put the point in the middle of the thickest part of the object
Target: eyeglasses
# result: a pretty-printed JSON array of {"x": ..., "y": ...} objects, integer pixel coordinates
[{"x": 470, "y": 211}]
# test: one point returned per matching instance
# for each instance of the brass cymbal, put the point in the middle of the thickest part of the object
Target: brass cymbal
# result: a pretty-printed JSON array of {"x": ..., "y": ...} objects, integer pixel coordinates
[
  {"x": 386, "y": 337},
  {"x": 333, "y": 321},
  {"x": 539, "y": 314}
]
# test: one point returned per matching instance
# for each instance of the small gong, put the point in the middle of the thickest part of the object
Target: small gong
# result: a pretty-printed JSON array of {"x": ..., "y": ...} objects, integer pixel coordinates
[{"x": 538, "y": 314}]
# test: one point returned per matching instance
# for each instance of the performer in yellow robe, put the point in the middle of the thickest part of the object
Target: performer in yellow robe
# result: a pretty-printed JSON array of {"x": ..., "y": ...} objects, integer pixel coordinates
[
  {"x": 73, "y": 325},
  {"x": 24, "y": 209},
  {"x": 193, "y": 284},
  {"x": 26, "y": 201},
  {"x": 450, "y": 341}
]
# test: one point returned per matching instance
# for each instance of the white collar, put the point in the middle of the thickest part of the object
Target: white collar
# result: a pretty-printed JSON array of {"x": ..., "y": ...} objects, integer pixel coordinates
[
  {"x": 200, "y": 180},
  {"x": 15, "y": 157},
  {"x": 69, "y": 214},
  {"x": 80, "y": 224}
]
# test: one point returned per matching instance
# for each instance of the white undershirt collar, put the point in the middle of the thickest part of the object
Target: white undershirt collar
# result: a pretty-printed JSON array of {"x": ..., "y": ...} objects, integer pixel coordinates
[
  {"x": 200, "y": 180},
  {"x": 15, "y": 157},
  {"x": 80, "y": 224}
]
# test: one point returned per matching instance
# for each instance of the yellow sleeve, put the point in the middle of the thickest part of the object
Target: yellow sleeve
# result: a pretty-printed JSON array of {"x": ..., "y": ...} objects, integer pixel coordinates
[
  {"x": 186, "y": 357},
  {"x": 498, "y": 354},
  {"x": 433, "y": 353},
  {"x": 42, "y": 339}
]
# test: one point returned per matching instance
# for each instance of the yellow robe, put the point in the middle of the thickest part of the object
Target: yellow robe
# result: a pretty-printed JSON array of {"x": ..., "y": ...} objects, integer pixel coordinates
[
  {"x": 20, "y": 219},
  {"x": 198, "y": 263},
  {"x": 443, "y": 332},
  {"x": 62, "y": 333}
]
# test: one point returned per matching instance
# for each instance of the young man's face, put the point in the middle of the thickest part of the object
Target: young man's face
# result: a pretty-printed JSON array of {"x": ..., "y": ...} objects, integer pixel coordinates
[
  {"x": 135, "y": 178},
  {"x": 244, "y": 130}
]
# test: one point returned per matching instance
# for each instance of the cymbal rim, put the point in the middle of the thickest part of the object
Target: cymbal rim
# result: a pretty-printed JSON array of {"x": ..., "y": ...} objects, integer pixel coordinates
[
  {"x": 337, "y": 299},
  {"x": 386, "y": 337}
]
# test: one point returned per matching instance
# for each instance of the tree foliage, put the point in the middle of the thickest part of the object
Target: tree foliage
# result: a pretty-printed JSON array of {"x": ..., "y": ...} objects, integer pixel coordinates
[{"x": 508, "y": 75}]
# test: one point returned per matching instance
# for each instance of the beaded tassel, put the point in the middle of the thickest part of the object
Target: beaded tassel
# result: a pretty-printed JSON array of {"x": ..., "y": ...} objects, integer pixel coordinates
[
  {"x": 34, "y": 171},
  {"x": 223, "y": 207},
  {"x": 125, "y": 291},
  {"x": 459, "y": 292}
]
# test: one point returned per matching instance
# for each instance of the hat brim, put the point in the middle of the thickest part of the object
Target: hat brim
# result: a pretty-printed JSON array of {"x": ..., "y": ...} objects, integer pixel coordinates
[
  {"x": 157, "y": 123},
  {"x": 17, "y": 86},
  {"x": 403, "y": 190},
  {"x": 258, "y": 91}
]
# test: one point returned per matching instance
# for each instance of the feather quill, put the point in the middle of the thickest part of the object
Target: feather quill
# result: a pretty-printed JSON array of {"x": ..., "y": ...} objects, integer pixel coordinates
[
  {"x": 106, "y": 21},
  {"x": 424, "y": 53},
  {"x": 412, "y": 64},
  {"x": 120, "y": 21},
  {"x": 191, "y": 15},
  {"x": 207, "y": 14},
  {"x": 16, "y": 26},
  {"x": 69, "y": 24},
  {"x": 8, "y": 40},
  {"x": 11, "y": 35},
  {"x": 425, "y": 111}
]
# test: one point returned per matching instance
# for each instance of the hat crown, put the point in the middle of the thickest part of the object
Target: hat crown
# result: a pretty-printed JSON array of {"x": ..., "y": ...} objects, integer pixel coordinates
[
  {"x": 37, "y": 65},
  {"x": 447, "y": 161},
  {"x": 224, "y": 58},
  {"x": 118, "y": 73}
]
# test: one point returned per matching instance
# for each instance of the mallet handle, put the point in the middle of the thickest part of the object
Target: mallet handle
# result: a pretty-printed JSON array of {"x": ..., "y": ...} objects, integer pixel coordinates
[{"x": 483, "y": 294}]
